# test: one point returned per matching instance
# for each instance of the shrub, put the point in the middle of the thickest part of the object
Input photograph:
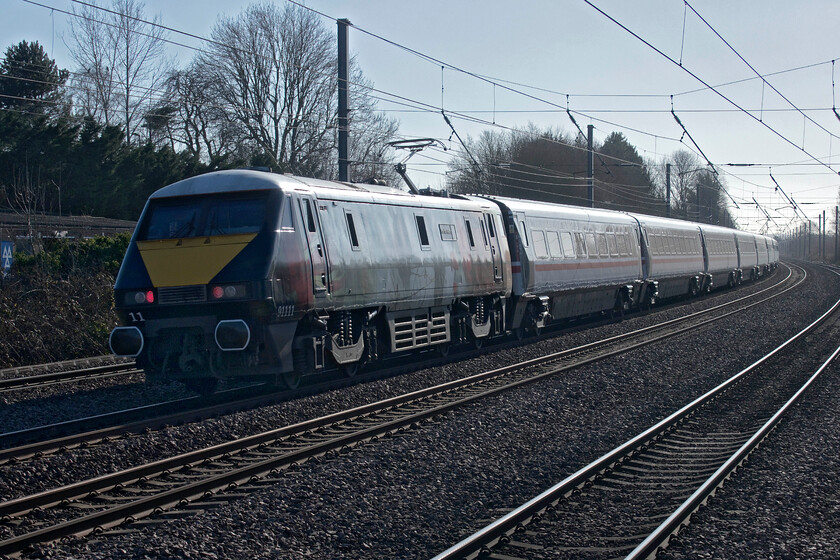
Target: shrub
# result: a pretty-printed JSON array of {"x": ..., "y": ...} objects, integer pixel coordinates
[{"x": 58, "y": 305}]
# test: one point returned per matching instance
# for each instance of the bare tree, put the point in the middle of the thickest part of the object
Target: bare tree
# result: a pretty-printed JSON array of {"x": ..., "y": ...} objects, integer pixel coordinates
[
  {"x": 199, "y": 122},
  {"x": 684, "y": 169},
  {"x": 273, "y": 69},
  {"x": 121, "y": 62}
]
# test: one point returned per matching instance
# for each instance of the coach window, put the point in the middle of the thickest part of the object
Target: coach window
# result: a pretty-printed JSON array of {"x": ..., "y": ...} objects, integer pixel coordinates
[
  {"x": 611, "y": 245},
  {"x": 621, "y": 242},
  {"x": 591, "y": 246},
  {"x": 421, "y": 229},
  {"x": 602, "y": 245},
  {"x": 539, "y": 244},
  {"x": 656, "y": 243},
  {"x": 554, "y": 247},
  {"x": 524, "y": 232},
  {"x": 351, "y": 229},
  {"x": 483, "y": 232},
  {"x": 568, "y": 245},
  {"x": 470, "y": 233},
  {"x": 580, "y": 245}
]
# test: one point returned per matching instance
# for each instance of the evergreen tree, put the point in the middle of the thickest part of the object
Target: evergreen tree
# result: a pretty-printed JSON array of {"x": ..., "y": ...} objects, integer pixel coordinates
[{"x": 30, "y": 81}]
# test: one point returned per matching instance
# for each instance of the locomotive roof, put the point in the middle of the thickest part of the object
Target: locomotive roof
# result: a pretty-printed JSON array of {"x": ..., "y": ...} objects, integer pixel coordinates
[
  {"x": 240, "y": 180},
  {"x": 236, "y": 180}
]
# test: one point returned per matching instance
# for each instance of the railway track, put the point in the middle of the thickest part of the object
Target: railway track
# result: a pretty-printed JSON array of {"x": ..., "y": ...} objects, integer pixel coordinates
[
  {"x": 56, "y": 377},
  {"x": 632, "y": 501},
  {"x": 44, "y": 440},
  {"x": 201, "y": 478}
]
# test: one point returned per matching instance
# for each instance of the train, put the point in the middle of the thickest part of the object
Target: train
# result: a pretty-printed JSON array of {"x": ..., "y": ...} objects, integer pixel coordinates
[{"x": 253, "y": 274}]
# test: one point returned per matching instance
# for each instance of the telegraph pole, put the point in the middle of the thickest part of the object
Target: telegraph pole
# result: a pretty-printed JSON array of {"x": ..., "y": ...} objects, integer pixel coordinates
[
  {"x": 343, "y": 109},
  {"x": 590, "y": 167},
  {"x": 824, "y": 238},
  {"x": 819, "y": 236},
  {"x": 667, "y": 190}
]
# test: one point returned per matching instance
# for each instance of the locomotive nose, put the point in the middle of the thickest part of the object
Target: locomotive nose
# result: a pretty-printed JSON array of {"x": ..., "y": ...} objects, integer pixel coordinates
[{"x": 126, "y": 341}]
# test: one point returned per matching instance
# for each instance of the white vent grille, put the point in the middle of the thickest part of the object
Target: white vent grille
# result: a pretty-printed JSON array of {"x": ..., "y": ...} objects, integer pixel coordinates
[{"x": 419, "y": 329}]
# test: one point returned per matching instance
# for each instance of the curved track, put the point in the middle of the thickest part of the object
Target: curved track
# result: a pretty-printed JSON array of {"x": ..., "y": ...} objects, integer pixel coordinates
[
  {"x": 635, "y": 498},
  {"x": 195, "y": 478},
  {"x": 20, "y": 445}
]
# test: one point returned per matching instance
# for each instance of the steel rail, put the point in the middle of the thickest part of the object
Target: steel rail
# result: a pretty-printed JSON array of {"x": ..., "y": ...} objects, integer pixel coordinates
[
  {"x": 659, "y": 537},
  {"x": 114, "y": 516},
  {"x": 75, "y": 363},
  {"x": 72, "y": 375},
  {"x": 480, "y": 541},
  {"x": 125, "y": 423},
  {"x": 231, "y": 400}
]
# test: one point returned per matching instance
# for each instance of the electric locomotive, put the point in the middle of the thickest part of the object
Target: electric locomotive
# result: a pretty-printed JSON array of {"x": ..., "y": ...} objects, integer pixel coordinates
[{"x": 250, "y": 273}]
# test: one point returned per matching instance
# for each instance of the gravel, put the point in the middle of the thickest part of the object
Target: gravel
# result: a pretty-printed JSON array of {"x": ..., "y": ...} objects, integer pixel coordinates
[
  {"x": 784, "y": 503},
  {"x": 414, "y": 495}
]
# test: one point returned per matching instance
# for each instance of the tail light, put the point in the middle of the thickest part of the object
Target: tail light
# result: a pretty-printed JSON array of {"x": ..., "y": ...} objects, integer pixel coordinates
[
  {"x": 228, "y": 291},
  {"x": 140, "y": 297}
]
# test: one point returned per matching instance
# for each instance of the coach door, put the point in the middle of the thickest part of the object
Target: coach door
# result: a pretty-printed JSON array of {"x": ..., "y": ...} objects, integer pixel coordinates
[
  {"x": 317, "y": 253},
  {"x": 495, "y": 249}
]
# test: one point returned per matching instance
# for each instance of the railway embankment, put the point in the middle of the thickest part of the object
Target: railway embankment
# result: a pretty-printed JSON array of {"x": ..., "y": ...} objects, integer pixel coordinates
[{"x": 57, "y": 305}]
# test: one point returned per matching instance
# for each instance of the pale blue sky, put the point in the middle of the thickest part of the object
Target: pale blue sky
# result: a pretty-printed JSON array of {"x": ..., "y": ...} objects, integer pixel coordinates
[{"x": 566, "y": 46}]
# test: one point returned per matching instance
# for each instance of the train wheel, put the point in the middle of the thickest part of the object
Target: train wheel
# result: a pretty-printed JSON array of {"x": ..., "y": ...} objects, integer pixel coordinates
[
  {"x": 351, "y": 369},
  {"x": 443, "y": 349},
  {"x": 478, "y": 343},
  {"x": 292, "y": 379}
]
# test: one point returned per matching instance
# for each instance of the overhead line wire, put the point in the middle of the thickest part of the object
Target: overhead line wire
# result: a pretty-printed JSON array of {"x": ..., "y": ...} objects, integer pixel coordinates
[
  {"x": 757, "y": 73},
  {"x": 702, "y": 81}
]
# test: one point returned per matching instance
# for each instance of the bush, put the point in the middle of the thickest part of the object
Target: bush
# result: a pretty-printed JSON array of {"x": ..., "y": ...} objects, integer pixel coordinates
[
  {"x": 63, "y": 257},
  {"x": 58, "y": 305}
]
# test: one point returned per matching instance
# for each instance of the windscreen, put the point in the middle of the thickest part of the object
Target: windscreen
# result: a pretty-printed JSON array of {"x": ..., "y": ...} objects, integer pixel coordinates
[{"x": 203, "y": 216}]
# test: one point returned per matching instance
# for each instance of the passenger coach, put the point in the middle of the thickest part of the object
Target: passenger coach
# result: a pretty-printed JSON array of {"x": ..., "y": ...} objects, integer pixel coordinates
[{"x": 568, "y": 261}]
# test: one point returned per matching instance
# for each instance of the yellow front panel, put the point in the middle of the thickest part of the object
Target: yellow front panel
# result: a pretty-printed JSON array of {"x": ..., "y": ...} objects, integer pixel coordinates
[{"x": 186, "y": 262}]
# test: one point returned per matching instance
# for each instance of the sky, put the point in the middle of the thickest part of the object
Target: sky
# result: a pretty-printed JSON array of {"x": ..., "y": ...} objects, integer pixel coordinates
[{"x": 507, "y": 64}]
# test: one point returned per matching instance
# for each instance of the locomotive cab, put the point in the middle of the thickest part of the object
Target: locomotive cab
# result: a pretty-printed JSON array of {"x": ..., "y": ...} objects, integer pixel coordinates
[{"x": 195, "y": 284}]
